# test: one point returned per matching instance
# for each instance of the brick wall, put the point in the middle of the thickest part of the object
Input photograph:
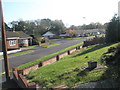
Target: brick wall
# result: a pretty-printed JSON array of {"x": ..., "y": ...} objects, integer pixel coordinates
[
  {"x": 63, "y": 55},
  {"x": 19, "y": 78},
  {"x": 12, "y": 47},
  {"x": 72, "y": 50},
  {"x": 42, "y": 44},
  {"x": 49, "y": 61},
  {"x": 27, "y": 70}
]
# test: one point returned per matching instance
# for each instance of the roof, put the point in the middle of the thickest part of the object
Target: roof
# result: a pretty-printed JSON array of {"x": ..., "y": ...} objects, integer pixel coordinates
[
  {"x": 20, "y": 34},
  {"x": 48, "y": 34},
  {"x": 89, "y": 31}
]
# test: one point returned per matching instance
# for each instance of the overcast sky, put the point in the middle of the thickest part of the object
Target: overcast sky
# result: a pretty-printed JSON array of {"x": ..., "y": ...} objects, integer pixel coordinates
[{"x": 71, "y": 12}]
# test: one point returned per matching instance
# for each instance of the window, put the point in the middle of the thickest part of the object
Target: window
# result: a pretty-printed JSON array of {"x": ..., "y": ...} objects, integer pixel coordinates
[{"x": 12, "y": 42}]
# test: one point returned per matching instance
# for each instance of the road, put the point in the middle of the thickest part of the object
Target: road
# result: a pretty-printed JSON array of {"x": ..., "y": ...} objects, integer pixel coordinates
[{"x": 40, "y": 52}]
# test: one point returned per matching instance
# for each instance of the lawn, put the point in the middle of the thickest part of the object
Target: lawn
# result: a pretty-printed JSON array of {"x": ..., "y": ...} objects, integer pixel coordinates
[
  {"x": 51, "y": 45},
  {"x": 47, "y": 57},
  {"x": 67, "y": 71}
]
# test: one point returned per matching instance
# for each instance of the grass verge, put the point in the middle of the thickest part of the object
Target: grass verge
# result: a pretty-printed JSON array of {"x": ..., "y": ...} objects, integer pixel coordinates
[
  {"x": 47, "y": 57},
  {"x": 19, "y": 53},
  {"x": 67, "y": 71},
  {"x": 51, "y": 45}
]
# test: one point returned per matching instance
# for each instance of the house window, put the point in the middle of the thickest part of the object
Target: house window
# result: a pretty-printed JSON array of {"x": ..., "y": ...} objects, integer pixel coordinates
[{"x": 12, "y": 42}]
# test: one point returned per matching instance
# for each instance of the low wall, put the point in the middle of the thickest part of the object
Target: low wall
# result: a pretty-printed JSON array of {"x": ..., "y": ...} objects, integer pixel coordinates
[
  {"x": 42, "y": 44},
  {"x": 49, "y": 61},
  {"x": 72, "y": 50},
  {"x": 63, "y": 55},
  {"x": 21, "y": 80},
  {"x": 27, "y": 70},
  {"x": 18, "y": 74}
]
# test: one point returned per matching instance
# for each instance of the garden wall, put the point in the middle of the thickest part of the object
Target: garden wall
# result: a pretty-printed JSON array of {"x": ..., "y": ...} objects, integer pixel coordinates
[
  {"x": 49, "y": 61},
  {"x": 42, "y": 44},
  {"x": 21, "y": 80},
  {"x": 62, "y": 55},
  {"x": 27, "y": 70},
  {"x": 18, "y": 74}
]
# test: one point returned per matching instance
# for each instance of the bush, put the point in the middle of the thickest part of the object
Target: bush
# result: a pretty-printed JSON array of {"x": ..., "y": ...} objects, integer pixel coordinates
[
  {"x": 42, "y": 39},
  {"x": 111, "y": 59},
  {"x": 112, "y": 56},
  {"x": 96, "y": 40}
]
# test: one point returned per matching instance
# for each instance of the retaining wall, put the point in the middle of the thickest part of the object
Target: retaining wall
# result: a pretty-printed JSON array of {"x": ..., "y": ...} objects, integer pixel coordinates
[
  {"x": 42, "y": 44},
  {"x": 27, "y": 70},
  {"x": 21, "y": 80},
  {"x": 49, "y": 61},
  {"x": 63, "y": 55}
]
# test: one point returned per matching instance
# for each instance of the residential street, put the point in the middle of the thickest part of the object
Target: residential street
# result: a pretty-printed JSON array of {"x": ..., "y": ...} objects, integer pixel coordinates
[{"x": 40, "y": 52}]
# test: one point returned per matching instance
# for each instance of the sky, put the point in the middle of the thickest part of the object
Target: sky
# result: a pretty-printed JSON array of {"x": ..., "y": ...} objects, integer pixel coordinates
[{"x": 71, "y": 12}]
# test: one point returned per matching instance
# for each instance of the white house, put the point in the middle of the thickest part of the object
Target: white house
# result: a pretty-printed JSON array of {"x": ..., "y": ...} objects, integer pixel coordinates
[{"x": 48, "y": 34}]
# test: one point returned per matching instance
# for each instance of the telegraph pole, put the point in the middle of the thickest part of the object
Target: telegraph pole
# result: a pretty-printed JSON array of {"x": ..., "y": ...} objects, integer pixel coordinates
[{"x": 4, "y": 45}]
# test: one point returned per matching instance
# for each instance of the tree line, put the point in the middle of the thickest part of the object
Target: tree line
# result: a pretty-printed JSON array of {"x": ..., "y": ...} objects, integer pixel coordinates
[{"x": 40, "y": 26}]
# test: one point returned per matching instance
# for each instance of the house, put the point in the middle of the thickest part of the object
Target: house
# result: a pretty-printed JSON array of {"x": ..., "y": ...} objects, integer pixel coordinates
[
  {"x": 48, "y": 34},
  {"x": 64, "y": 35},
  {"x": 18, "y": 39},
  {"x": 91, "y": 32}
]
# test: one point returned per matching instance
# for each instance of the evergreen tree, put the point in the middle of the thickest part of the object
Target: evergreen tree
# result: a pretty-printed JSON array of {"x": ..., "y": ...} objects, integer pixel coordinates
[{"x": 113, "y": 30}]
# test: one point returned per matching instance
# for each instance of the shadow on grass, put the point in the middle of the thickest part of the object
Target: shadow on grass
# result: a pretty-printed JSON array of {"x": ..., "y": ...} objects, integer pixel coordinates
[
  {"x": 93, "y": 49},
  {"x": 84, "y": 72}
]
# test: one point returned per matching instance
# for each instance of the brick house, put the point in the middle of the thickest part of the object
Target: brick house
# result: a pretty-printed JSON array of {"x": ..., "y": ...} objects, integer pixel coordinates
[
  {"x": 16, "y": 39},
  {"x": 19, "y": 38}
]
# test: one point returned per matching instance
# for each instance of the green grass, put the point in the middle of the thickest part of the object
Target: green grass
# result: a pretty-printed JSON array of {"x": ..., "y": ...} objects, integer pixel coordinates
[
  {"x": 19, "y": 53},
  {"x": 67, "y": 71},
  {"x": 47, "y": 57},
  {"x": 51, "y": 45}
]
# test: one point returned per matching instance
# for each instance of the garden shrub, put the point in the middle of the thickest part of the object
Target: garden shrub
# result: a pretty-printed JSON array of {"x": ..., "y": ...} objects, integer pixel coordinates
[{"x": 112, "y": 60}]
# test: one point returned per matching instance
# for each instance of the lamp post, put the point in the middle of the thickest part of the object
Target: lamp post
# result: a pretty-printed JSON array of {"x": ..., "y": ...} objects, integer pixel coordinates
[{"x": 4, "y": 45}]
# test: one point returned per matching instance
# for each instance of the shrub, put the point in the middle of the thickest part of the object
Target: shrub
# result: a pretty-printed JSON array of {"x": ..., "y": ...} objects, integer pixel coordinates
[
  {"x": 112, "y": 56},
  {"x": 111, "y": 59},
  {"x": 96, "y": 40}
]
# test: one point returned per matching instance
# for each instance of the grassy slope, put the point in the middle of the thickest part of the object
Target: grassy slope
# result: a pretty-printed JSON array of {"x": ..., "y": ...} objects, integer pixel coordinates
[
  {"x": 47, "y": 57},
  {"x": 67, "y": 71}
]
